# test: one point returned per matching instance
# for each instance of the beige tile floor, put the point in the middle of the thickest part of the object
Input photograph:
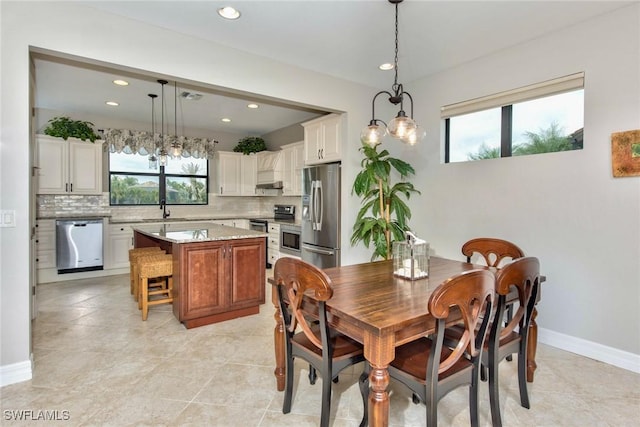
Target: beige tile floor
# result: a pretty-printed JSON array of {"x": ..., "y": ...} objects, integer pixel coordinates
[{"x": 96, "y": 359}]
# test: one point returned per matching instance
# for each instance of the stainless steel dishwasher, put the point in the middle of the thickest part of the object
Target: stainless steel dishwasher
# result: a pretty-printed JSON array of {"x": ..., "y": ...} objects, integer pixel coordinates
[{"x": 79, "y": 245}]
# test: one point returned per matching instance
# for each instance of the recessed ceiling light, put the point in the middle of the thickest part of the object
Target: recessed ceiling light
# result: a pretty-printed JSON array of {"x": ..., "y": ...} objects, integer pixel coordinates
[
  {"x": 229, "y": 12},
  {"x": 386, "y": 66},
  {"x": 121, "y": 82},
  {"x": 252, "y": 106},
  {"x": 112, "y": 103},
  {"x": 226, "y": 120}
]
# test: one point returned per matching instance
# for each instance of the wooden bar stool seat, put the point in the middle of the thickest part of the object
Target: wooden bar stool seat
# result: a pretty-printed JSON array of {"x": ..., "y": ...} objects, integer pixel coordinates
[
  {"x": 154, "y": 267},
  {"x": 134, "y": 255}
]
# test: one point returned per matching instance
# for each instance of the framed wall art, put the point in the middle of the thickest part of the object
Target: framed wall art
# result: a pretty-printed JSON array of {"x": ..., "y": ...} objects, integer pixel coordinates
[{"x": 625, "y": 153}]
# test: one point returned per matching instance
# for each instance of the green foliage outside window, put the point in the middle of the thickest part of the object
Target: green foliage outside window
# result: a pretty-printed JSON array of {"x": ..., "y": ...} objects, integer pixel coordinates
[{"x": 548, "y": 140}]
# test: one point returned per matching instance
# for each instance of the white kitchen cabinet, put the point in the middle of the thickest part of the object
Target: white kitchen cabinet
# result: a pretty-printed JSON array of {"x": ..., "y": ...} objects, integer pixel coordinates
[
  {"x": 249, "y": 174},
  {"x": 119, "y": 241},
  {"x": 227, "y": 222},
  {"x": 228, "y": 173},
  {"x": 273, "y": 243},
  {"x": 235, "y": 174},
  {"x": 323, "y": 139},
  {"x": 293, "y": 162},
  {"x": 68, "y": 167},
  {"x": 45, "y": 243}
]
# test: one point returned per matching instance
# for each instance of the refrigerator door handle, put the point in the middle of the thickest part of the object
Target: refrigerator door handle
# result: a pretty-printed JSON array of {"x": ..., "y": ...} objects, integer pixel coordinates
[
  {"x": 317, "y": 251},
  {"x": 315, "y": 191},
  {"x": 312, "y": 206},
  {"x": 320, "y": 206}
]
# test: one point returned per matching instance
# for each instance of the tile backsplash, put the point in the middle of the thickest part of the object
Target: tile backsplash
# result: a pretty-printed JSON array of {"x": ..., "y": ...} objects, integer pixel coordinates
[{"x": 59, "y": 205}]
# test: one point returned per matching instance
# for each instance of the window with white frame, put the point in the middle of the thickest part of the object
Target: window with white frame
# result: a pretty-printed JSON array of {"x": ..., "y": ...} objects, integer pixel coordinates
[
  {"x": 183, "y": 181},
  {"x": 540, "y": 118}
]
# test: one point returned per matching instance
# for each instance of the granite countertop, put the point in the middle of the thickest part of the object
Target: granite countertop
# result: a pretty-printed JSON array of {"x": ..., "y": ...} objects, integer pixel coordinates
[
  {"x": 161, "y": 220},
  {"x": 195, "y": 232}
]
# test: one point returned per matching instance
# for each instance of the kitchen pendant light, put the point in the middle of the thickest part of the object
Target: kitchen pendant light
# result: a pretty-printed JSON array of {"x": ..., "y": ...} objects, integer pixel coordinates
[
  {"x": 153, "y": 160},
  {"x": 163, "y": 153},
  {"x": 176, "y": 147},
  {"x": 402, "y": 127}
]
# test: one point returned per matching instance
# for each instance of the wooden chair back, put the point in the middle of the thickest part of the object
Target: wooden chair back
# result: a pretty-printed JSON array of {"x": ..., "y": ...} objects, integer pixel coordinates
[
  {"x": 523, "y": 274},
  {"x": 493, "y": 251},
  {"x": 472, "y": 293},
  {"x": 295, "y": 278}
]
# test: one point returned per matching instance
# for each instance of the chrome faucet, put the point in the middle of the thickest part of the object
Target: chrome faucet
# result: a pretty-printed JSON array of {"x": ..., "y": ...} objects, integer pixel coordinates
[{"x": 163, "y": 206}]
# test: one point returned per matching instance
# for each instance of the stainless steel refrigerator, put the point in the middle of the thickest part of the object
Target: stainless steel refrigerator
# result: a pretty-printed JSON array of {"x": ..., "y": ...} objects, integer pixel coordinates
[{"x": 321, "y": 215}]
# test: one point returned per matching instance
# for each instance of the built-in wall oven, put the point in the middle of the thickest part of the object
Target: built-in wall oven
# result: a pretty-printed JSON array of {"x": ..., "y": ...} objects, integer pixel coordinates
[{"x": 290, "y": 239}]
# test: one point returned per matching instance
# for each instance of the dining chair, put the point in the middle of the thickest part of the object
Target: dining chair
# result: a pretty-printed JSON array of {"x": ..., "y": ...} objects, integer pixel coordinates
[
  {"x": 428, "y": 367},
  {"x": 522, "y": 276},
  {"x": 328, "y": 351},
  {"x": 494, "y": 251}
]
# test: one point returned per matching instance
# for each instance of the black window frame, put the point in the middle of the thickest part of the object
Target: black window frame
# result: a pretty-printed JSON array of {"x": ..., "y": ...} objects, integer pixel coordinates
[{"x": 162, "y": 186}]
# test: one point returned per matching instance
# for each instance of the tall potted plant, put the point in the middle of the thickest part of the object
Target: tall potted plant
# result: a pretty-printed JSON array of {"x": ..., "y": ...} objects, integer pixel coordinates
[{"x": 383, "y": 217}]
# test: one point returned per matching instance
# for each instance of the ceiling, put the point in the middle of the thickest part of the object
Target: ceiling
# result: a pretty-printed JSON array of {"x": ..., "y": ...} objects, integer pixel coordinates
[{"x": 347, "y": 39}]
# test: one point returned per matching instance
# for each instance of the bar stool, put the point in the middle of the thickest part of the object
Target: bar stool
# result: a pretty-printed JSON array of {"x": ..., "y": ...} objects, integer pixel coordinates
[
  {"x": 154, "y": 267},
  {"x": 134, "y": 254}
]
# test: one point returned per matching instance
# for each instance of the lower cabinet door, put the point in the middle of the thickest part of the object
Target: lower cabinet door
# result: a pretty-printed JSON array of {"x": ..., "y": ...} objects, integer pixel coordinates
[
  {"x": 247, "y": 265},
  {"x": 202, "y": 282}
]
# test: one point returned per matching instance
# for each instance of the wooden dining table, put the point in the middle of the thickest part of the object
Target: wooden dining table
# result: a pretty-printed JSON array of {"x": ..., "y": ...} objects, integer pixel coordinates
[{"x": 382, "y": 311}]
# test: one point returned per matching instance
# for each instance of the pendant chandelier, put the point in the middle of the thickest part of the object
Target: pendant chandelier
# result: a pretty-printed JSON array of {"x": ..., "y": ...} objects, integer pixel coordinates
[
  {"x": 402, "y": 127},
  {"x": 153, "y": 160},
  {"x": 163, "y": 153},
  {"x": 176, "y": 147}
]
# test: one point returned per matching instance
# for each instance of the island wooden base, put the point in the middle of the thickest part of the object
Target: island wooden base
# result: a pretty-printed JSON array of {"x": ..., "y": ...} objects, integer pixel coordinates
[
  {"x": 214, "y": 280},
  {"x": 215, "y": 318}
]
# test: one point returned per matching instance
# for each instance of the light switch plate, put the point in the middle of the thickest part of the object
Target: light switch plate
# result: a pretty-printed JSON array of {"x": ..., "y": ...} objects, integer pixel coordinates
[{"x": 7, "y": 218}]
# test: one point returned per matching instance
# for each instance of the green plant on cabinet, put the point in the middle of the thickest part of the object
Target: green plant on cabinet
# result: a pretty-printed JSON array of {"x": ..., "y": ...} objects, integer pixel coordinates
[
  {"x": 64, "y": 127},
  {"x": 383, "y": 217},
  {"x": 250, "y": 144}
]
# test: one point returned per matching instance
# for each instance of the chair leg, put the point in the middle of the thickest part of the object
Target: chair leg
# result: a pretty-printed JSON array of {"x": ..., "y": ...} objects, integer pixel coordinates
[
  {"x": 288, "y": 388},
  {"x": 473, "y": 398},
  {"x": 431, "y": 402},
  {"x": 494, "y": 393},
  {"x": 313, "y": 375},
  {"x": 144, "y": 298},
  {"x": 522, "y": 376},
  {"x": 326, "y": 402}
]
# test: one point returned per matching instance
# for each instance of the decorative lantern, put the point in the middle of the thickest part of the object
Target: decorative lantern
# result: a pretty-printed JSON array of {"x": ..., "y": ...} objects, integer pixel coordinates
[{"x": 411, "y": 258}]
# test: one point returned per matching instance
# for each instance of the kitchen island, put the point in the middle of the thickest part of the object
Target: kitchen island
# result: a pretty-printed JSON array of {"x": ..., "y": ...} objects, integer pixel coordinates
[{"x": 218, "y": 271}]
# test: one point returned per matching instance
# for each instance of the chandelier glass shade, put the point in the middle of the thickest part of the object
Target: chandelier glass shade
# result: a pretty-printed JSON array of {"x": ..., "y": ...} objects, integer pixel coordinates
[{"x": 401, "y": 127}]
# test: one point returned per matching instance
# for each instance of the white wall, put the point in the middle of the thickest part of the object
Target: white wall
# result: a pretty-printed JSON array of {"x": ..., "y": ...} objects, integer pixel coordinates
[
  {"x": 565, "y": 208},
  {"x": 73, "y": 29}
]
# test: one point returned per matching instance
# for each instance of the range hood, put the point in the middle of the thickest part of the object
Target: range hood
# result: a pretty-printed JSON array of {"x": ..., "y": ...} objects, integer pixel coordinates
[
  {"x": 269, "y": 170},
  {"x": 277, "y": 185}
]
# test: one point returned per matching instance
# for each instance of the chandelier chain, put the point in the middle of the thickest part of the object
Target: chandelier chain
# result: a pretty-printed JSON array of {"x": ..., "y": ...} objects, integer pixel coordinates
[{"x": 395, "y": 66}]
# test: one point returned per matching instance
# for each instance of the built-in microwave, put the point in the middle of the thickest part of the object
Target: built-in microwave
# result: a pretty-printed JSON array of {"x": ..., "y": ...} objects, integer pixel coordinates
[{"x": 290, "y": 239}]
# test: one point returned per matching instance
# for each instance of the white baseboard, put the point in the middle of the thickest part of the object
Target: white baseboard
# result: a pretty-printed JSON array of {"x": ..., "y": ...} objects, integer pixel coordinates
[
  {"x": 612, "y": 356},
  {"x": 16, "y": 372}
]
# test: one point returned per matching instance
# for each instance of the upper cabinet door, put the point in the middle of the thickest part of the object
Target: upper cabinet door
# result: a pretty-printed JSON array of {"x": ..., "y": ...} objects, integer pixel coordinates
[
  {"x": 85, "y": 167},
  {"x": 228, "y": 173},
  {"x": 53, "y": 156},
  {"x": 323, "y": 140},
  {"x": 69, "y": 167}
]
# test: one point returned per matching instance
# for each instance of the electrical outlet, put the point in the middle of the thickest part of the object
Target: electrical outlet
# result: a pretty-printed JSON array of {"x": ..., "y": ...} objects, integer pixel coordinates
[{"x": 7, "y": 218}]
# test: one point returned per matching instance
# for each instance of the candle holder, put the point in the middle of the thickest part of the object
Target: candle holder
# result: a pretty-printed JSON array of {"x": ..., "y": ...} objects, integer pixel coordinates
[{"x": 411, "y": 258}]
